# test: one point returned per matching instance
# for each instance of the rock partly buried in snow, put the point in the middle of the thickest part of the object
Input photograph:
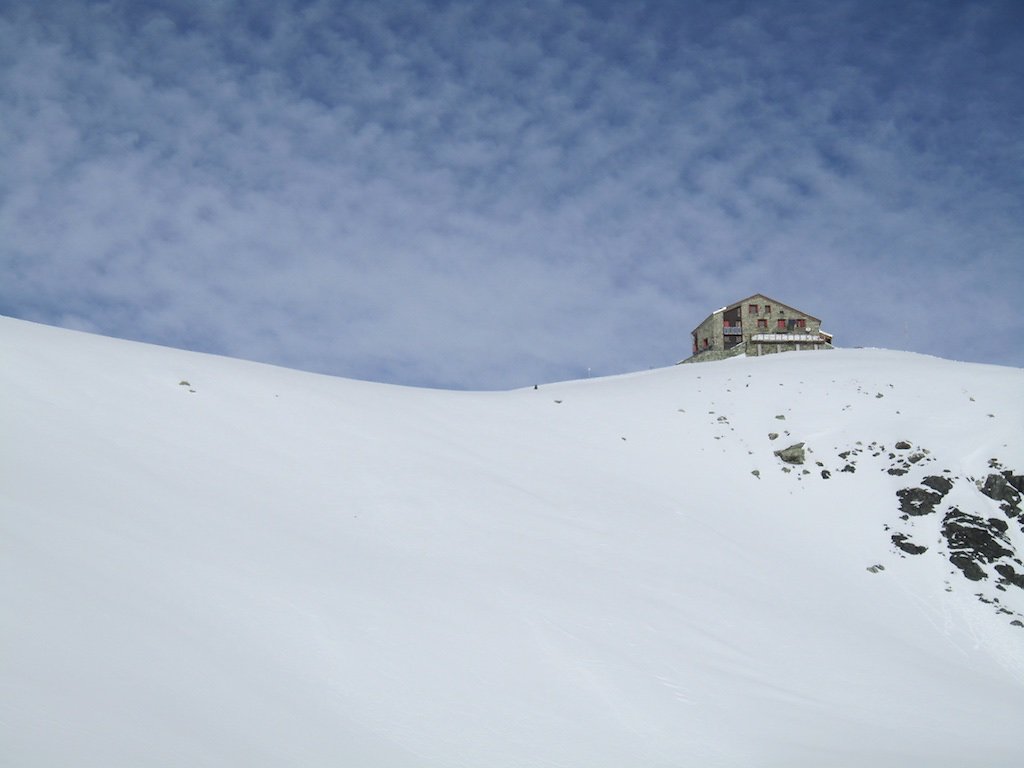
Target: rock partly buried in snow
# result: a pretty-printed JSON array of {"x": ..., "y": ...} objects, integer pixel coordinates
[
  {"x": 1009, "y": 575},
  {"x": 794, "y": 454},
  {"x": 938, "y": 483},
  {"x": 974, "y": 541},
  {"x": 917, "y": 501},
  {"x": 1005, "y": 488},
  {"x": 922, "y": 501},
  {"x": 901, "y": 541}
]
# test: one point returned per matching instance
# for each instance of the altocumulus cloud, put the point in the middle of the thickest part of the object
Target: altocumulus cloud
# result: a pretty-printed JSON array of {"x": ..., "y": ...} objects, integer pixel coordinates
[{"x": 493, "y": 194}]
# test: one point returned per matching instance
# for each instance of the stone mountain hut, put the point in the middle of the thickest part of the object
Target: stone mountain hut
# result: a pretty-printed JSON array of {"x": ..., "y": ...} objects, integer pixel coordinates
[{"x": 756, "y": 325}]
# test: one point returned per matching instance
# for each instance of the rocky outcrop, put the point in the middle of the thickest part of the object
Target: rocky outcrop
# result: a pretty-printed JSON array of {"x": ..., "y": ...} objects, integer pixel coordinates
[
  {"x": 922, "y": 501},
  {"x": 974, "y": 542},
  {"x": 1005, "y": 488},
  {"x": 939, "y": 518}
]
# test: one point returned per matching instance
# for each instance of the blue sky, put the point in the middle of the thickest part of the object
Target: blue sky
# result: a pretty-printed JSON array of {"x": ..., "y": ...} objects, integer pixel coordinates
[{"x": 489, "y": 195}]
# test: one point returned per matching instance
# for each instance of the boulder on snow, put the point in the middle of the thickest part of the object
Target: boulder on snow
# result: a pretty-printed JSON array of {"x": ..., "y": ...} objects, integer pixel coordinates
[
  {"x": 794, "y": 454},
  {"x": 1000, "y": 487}
]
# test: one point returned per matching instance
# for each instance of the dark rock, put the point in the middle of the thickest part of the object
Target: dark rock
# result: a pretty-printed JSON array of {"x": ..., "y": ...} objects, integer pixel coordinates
[
  {"x": 972, "y": 533},
  {"x": 906, "y": 545},
  {"x": 937, "y": 483},
  {"x": 1000, "y": 488},
  {"x": 918, "y": 501},
  {"x": 794, "y": 454},
  {"x": 896, "y": 471},
  {"x": 997, "y": 487},
  {"x": 849, "y": 468},
  {"x": 971, "y": 569},
  {"x": 902, "y": 445},
  {"x": 825, "y": 474},
  {"x": 999, "y": 525},
  {"x": 974, "y": 540},
  {"x": 1010, "y": 576}
]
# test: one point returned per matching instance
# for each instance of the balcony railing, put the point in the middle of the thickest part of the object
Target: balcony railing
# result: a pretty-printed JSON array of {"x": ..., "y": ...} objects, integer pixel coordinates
[{"x": 730, "y": 331}]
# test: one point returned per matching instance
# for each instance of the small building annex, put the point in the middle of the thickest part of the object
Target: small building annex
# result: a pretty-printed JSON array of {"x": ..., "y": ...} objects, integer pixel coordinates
[{"x": 756, "y": 325}]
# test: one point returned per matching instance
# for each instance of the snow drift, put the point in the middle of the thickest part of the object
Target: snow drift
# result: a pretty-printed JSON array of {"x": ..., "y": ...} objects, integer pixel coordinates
[{"x": 211, "y": 562}]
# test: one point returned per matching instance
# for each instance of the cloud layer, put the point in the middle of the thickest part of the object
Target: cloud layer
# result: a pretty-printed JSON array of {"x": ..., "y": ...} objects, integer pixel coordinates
[{"x": 489, "y": 194}]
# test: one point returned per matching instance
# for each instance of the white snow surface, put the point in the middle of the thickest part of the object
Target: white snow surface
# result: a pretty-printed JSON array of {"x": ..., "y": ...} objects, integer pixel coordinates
[{"x": 264, "y": 567}]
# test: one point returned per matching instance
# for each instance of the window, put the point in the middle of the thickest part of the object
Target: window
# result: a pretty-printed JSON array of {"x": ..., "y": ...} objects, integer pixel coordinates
[
  {"x": 801, "y": 323},
  {"x": 767, "y": 309},
  {"x": 762, "y": 323},
  {"x": 705, "y": 343},
  {"x": 780, "y": 324},
  {"x": 752, "y": 309}
]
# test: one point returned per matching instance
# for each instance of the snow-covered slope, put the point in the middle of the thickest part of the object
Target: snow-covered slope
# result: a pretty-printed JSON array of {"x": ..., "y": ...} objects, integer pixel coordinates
[{"x": 209, "y": 562}]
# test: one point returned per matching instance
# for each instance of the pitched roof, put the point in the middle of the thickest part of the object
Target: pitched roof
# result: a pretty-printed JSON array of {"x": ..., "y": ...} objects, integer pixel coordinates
[
  {"x": 768, "y": 299},
  {"x": 773, "y": 302}
]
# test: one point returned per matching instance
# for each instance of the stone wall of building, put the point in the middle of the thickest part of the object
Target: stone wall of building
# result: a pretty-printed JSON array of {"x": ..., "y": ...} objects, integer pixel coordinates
[
  {"x": 746, "y": 324},
  {"x": 715, "y": 354},
  {"x": 711, "y": 330}
]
